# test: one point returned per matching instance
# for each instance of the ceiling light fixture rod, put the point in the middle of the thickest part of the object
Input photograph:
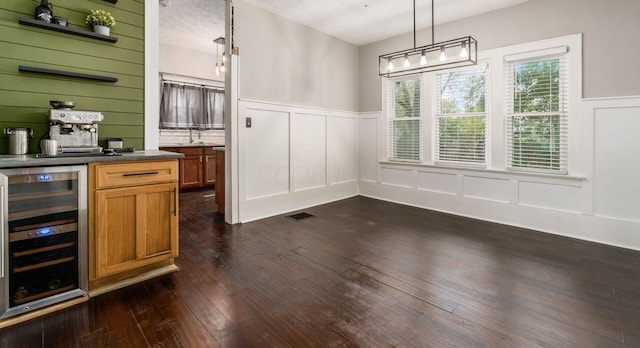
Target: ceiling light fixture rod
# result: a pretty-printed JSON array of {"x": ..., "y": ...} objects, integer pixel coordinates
[
  {"x": 433, "y": 27},
  {"x": 414, "y": 24}
]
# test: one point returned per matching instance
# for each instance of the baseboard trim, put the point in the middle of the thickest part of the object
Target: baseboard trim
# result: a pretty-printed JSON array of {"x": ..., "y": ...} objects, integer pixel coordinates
[{"x": 133, "y": 280}]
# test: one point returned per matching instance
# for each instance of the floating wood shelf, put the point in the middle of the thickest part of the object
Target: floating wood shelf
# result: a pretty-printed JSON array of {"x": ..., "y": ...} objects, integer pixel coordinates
[
  {"x": 111, "y": 1},
  {"x": 36, "y": 69},
  {"x": 55, "y": 27}
]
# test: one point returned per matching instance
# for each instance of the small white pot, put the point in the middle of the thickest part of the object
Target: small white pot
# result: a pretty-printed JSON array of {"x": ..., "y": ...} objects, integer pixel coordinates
[{"x": 101, "y": 30}]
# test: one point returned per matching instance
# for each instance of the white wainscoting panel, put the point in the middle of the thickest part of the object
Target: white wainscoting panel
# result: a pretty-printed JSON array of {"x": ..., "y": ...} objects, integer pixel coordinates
[
  {"x": 397, "y": 177},
  {"x": 598, "y": 201},
  {"x": 267, "y": 153},
  {"x": 294, "y": 157},
  {"x": 309, "y": 150},
  {"x": 438, "y": 182},
  {"x": 342, "y": 140},
  {"x": 617, "y": 163},
  {"x": 368, "y": 145},
  {"x": 498, "y": 190},
  {"x": 550, "y": 196}
]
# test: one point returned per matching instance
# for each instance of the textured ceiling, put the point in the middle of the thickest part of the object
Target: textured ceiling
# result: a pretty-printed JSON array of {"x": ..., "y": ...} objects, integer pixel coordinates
[
  {"x": 192, "y": 24},
  {"x": 196, "y": 23}
]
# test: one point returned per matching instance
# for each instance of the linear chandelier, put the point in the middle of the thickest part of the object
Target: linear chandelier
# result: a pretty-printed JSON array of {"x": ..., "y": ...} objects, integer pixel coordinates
[
  {"x": 436, "y": 56},
  {"x": 220, "y": 65}
]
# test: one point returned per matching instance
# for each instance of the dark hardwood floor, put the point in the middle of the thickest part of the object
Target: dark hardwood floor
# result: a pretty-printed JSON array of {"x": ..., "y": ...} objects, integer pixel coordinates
[{"x": 361, "y": 273}]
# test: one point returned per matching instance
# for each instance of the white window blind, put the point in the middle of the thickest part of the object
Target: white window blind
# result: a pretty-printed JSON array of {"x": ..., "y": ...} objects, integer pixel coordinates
[
  {"x": 461, "y": 116},
  {"x": 537, "y": 115},
  {"x": 405, "y": 119}
]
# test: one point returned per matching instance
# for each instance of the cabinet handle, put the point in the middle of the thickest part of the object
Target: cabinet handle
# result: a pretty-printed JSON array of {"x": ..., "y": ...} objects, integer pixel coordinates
[
  {"x": 175, "y": 201},
  {"x": 140, "y": 174}
]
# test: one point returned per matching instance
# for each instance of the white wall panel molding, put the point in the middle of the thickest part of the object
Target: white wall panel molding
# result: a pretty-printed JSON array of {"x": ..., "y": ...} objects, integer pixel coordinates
[
  {"x": 400, "y": 177},
  {"x": 438, "y": 182},
  {"x": 294, "y": 157},
  {"x": 616, "y": 149},
  {"x": 368, "y": 142},
  {"x": 597, "y": 229},
  {"x": 599, "y": 202},
  {"x": 497, "y": 190}
]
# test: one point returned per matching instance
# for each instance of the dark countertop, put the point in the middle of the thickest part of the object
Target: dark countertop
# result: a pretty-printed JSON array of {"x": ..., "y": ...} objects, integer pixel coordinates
[{"x": 30, "y": 160}]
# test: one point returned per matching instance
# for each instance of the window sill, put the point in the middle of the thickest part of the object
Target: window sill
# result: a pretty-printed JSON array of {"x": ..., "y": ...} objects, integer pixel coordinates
[{"x": 561, "y": 179}]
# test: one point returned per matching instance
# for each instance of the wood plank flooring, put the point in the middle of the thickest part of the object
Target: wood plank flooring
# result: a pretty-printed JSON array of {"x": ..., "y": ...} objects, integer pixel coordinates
[{"x": 361, "y": 273}]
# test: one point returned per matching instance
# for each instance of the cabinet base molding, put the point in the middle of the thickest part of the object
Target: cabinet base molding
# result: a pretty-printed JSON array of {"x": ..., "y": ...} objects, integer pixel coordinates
[
  {"x": 133, "y": 280},
  {"x": 42, "y": 312}
]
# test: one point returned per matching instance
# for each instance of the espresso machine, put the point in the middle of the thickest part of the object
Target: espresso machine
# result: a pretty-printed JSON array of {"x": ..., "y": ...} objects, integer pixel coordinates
[{"x": 76, "y": 131}]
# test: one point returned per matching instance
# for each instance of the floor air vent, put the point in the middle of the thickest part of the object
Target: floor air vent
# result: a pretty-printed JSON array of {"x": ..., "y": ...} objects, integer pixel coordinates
[{"x": 299, "y": 216}]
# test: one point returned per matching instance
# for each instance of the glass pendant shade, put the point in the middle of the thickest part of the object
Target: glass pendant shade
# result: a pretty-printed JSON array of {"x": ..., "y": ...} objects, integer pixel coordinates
[
  {"x": 463, "y": 52},
  {"x": 423, "y": 58}
]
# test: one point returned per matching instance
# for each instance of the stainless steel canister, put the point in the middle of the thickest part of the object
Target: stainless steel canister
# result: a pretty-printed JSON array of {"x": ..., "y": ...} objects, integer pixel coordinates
[
  {"x": 18, "y": 140},
  {"x": 49, "y": 147}
]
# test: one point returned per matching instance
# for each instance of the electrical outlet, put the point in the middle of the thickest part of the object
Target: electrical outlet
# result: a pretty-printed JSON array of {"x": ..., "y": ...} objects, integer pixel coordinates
[{"x": 248, "y": 122}]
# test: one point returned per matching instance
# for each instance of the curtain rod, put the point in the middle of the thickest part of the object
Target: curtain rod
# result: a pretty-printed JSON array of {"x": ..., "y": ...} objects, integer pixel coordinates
[
  {"x": 190, "y": 79},
  {"x": 192, "y": 84}
]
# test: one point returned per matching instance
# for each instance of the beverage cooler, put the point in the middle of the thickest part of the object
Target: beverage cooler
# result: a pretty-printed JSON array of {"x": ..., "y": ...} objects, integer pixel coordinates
[{"x": 44, "y": 237}]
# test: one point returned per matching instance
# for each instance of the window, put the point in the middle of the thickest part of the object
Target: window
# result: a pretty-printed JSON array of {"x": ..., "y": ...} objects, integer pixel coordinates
[
  {"x": 405, "y": 119},
  {"x": 537, "y": 116},
  {"x": 185, "y": 106},
  {"x": 461, "y": 116}
]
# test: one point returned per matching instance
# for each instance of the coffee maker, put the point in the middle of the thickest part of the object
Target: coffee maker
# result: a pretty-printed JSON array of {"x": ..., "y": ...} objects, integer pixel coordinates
[{"x": 76, "y": 131}]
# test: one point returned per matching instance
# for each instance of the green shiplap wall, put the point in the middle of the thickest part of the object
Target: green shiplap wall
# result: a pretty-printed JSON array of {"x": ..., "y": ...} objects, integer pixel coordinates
[{"x": 24, "y": 97}]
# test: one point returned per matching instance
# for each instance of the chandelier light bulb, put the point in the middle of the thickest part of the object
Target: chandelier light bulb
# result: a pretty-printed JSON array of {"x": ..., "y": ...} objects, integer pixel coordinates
[
  {"x": 217, "y": 69},
  {"x": 406, "y": 60},
  {"x": 463, "y": 52},
  {"x": 224, "y": 57},
  {"x": 390, "y": 66},
  {"x": 443, "y": 56},
  {"x": 222, "y": 68},
  {"x": 423, "y": 59}
]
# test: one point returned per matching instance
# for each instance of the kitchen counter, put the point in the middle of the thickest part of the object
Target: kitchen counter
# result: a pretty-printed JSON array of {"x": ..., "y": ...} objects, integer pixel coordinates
[
  {"x": 30, "y": 160},
  {"x": 192, "y": 145}
]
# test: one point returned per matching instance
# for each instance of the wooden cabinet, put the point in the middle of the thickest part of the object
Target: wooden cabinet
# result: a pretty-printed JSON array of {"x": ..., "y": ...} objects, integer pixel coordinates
[
  {"x": 191, "y": 168},
  {"x": 133, "y": 216},
  {"x": 197, "y": 168},
  {"x": 209, "y": 166}
]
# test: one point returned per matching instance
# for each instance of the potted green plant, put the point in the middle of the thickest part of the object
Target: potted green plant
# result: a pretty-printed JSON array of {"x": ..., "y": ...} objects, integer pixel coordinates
[{"x": 101, "y": 20}]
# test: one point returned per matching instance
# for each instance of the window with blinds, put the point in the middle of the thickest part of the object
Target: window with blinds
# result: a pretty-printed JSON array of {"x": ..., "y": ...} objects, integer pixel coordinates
[
  {"x": 405, "y": 119},
  {"x": 537, "y": 116},
  {"x": 461, "y": 116}
]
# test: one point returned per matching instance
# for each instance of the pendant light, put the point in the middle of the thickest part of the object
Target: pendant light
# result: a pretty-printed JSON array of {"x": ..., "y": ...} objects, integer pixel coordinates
[
  {"x": 219, "y": 60},
  {"x": 436, "y": 56}
]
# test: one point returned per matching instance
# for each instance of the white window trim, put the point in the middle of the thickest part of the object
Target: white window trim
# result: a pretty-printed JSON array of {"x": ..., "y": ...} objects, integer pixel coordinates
[{"x": 496, "y": 156}]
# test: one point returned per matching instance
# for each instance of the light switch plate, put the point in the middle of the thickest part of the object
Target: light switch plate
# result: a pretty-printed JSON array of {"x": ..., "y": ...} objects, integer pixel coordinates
[{"x": 248, "y": 122}]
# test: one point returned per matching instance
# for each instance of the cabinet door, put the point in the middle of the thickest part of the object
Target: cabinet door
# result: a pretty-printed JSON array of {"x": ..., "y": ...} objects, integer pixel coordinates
[
  {"x": 209, "y": 169},
  {"x": 190, "y": 171},
  {"x": 135, "y": 227}
]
